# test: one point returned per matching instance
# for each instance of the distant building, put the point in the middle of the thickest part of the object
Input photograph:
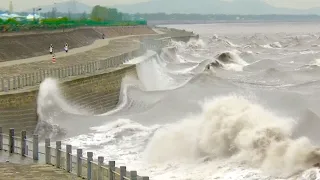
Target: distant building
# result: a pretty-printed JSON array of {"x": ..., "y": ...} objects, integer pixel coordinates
[{"x": 18, "y": 17}]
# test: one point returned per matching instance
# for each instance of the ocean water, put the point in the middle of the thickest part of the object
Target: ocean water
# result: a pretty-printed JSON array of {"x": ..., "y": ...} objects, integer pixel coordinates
[{"x": 239, "y": 103}]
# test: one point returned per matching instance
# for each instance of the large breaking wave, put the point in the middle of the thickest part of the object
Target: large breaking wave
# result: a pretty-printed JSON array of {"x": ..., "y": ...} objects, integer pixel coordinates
[{"x": 176, "y": 118}]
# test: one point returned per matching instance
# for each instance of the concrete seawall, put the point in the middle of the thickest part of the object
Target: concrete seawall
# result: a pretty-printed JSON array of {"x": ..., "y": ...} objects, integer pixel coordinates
[
  {"x": 97, "y": 93},
  {"x": 22, "y": 46}
]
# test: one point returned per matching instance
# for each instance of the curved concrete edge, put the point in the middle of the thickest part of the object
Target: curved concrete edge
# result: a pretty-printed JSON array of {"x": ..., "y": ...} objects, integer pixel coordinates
[{"x": 97, "y": 93}]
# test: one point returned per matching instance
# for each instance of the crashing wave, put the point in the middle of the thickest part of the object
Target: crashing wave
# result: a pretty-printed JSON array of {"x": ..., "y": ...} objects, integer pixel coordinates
[{"x": 237, "y": 129}]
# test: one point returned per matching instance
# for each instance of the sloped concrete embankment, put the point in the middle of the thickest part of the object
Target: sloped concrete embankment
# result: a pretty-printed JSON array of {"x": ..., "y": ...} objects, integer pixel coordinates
[
  {"x": 22, "y": 46},
  {"x": 97, "y": 93}
]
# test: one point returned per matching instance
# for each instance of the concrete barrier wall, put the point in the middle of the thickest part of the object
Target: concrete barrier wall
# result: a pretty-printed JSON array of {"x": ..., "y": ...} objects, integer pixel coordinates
[
  {"x": 97, "y": 93},
  {"x": 15, "y": 47}
]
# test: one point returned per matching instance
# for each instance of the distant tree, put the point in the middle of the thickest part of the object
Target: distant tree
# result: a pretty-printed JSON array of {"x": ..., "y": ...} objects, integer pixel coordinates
[
  {"x": 11, "y": 21},
  {"x": 100, "y": 13}
]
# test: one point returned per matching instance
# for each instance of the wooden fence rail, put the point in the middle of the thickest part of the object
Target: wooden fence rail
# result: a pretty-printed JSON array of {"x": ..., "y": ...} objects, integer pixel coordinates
[{"x": 84, "y": 167}]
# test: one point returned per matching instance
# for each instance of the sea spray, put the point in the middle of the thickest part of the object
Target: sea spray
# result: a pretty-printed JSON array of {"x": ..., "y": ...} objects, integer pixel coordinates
[
  {"x": 235, "y": 129},
  {"x": 51, "y": 103}
]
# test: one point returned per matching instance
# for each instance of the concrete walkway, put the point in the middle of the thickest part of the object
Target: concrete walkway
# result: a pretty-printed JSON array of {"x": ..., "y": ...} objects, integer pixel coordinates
[
  {"x": 97, "y": 44},
  {"x": 33, "y": 172},
  {"x": 16, "y": 167},
  {"x": 114, "y": 48}
]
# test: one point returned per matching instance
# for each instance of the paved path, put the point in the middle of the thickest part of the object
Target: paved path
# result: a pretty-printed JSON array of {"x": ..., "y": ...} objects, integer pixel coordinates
[
  {"x": 116, "y": 47},
  {"x": 15, "y": 167},
  {"x": 10, "y": 171},
  {"x": 97, "y": 44}
]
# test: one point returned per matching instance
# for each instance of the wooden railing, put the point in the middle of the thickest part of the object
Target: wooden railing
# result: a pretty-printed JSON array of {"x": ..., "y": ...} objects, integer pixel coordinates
[{"x": 85, "y": 167}]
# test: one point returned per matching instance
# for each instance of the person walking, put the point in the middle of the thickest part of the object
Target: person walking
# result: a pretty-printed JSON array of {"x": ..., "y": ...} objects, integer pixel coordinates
[
  {"x": 66, "y": 47},
  {"x": 53, "y": 58},
  {"x": 51, "y": 49}
]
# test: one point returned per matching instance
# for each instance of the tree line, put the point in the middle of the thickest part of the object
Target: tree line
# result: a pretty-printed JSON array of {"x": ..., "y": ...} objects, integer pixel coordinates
[
  {"x": 98, "y": 13},
  {"x": 101, "y": 14}
]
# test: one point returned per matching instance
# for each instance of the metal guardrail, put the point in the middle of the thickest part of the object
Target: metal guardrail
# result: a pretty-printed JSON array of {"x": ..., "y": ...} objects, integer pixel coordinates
[
  {"x": 78, "y": 165},
  {"x": 11, "y": 83},
  {"x": 84, "y": 167}
]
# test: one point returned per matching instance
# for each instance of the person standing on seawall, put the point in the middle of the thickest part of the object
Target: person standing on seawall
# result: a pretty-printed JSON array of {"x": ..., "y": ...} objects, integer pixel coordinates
[
  {"x": 102, "y": 35},
  {"x": 51, "y": 49},
  {"x": 66, "y": 46}
]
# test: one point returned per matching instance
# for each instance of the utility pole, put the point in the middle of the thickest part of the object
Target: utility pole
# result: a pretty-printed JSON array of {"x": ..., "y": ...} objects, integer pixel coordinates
[
  {"x": 33, "y": 13},
  {"x": 69, "y": 14},
  {"x": 10, "y": 7}
]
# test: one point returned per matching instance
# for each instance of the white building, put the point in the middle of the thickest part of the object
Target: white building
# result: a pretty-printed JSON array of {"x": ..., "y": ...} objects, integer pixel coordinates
[{"x": 6, "y": 16}]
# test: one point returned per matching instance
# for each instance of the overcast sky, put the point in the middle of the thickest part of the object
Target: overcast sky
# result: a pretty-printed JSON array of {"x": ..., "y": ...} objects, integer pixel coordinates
[{"x": 27, "y": 4}]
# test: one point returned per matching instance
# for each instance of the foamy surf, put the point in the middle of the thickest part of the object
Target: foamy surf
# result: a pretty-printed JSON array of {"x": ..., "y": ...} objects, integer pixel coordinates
[
  {"x": 243, "y": 138},
  {"x": 232, "y": 138}
]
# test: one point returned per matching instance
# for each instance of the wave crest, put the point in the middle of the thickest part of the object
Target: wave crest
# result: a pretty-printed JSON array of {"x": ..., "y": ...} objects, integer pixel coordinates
[{"x": 235, "y": 128}]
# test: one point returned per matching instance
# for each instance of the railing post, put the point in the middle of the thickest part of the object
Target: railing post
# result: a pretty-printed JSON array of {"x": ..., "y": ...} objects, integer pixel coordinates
[
  {"x": 8, "y": 80},
  {"x": 27, "y": 149},
  {"x": 123, "y": 172},
  {"x": 100, "y": 163},
  {"x": 112, "y": 167},
  {"x": 11, "y": 140},
  {"x": 35, "y": 149},
  {"x": 133, "y": 175},
  {"x": 79, "y": 162},
  {"x": 1, "y": 139},
  {"x": 41, "y": 76},
  {"x": 59, "y": 73},
  {"x": 14, "y": 82},
  {"x": 68, "y": 158},
  {"x": 48, "y": 151},
  {"x": 23, "y": 80},
  {"x": 145, "y": 178},
  {"x": 23, "y": 143},
  {"x": 58, "y": 153},
  {"x": 89, "y": 165},
  {"x": 2, "y": 84},
  {"x": 33, "y": 79},
  {"x": 19, "y": 82}
]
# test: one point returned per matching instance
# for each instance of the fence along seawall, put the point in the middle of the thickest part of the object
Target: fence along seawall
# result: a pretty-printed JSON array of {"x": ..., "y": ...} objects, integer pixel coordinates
[
  {"x": 99, "y": 82},
  {"x": 85, "y": 167},
  {"x": 57, "y": 155},
  {"x": 10, "y": 83}
]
